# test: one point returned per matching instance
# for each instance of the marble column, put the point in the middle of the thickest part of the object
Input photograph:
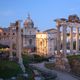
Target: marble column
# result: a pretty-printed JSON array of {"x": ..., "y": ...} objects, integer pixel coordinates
[
  {"x": 71, "y": 39},
  {"x": 77, "y": 38},
  {"x": 53, "y": 46},
  {"x": 64, "y": 39},
  {"x": 37, "y": 43},
  {"x": 58, "y": 39},
  {"x": 18, "y": 44},
  {"x": 11, "y": 56}
]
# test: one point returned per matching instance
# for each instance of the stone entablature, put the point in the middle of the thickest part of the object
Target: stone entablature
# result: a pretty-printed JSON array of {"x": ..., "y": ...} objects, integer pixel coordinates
[{"x": 29, "y": 36}]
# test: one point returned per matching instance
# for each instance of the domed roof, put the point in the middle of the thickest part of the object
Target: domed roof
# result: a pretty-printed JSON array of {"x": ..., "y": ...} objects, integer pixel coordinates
[{"x": 28, "y": 22}]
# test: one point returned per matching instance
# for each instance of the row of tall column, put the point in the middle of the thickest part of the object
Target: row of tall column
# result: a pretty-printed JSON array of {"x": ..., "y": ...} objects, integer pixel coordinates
[{"x": 64, "y": 32}]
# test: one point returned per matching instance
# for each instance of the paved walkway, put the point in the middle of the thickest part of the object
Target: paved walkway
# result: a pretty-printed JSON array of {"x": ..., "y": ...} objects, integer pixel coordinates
[{"x": 61, "y": 75}]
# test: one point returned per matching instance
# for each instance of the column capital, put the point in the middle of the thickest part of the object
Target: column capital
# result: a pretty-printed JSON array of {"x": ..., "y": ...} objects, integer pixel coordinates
[
  {"x": 58, "y": 26},
  {"x": 64, "y": 24},
  {"x": 77, "y": 24},
  {"x": 71, "y": 24}
]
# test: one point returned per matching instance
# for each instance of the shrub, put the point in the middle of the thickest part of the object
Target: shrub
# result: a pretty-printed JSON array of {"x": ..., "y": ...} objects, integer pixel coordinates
[
  {"x": 74, "y": 62},
  {"x": 9, "y": 69}
]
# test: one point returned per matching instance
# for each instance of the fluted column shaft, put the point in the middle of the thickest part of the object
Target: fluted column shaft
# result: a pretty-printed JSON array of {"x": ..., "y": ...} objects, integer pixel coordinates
[
  {"x": 19, "y": 48},
  {"x": 77, "y": 39},
  {"x": 64, "y": 39},
  {"x": 18, "y": 41},
  {"x": 71, "y": 39},
  {"x": 58, "y": 39},
  {"x": 11, "y": 43}
]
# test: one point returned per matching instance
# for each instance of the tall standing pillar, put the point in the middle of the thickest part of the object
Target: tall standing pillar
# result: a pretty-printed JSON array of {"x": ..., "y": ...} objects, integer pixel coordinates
[
  {"x": 11, "y": 56},
  {"x": 37, "y": 43},
  {"x": 53, "y": 46},
  {"x": 71, "y": 39},
  {"x": 61, "y": 60},
  {"x": 19, "y": 48},
  {"x": 77, "y": 38},
  {"x": 58, "y": 40},
  {"x": 64, "y": 39}
]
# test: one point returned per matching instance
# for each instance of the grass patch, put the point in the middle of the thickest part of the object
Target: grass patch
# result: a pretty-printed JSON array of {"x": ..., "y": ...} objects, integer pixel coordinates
[
  {"x": 9, "y": 69},
  {"x": 33, "y": 58},
  {"x": 30, "y": 73},
  {"x": 73, "y": 57},
  {"x": 26, "y": 60}
]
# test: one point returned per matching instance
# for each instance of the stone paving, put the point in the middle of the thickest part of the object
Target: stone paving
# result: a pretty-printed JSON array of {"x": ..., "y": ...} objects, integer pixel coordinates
[{"x": 61, "y": 75}]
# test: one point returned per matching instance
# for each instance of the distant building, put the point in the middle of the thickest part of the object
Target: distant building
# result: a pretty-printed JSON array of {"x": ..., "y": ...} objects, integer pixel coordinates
[
  {"x": 5, "y": 36},
  {"x": 29, "y": 35},
  {"x": 46, "y": 42}
]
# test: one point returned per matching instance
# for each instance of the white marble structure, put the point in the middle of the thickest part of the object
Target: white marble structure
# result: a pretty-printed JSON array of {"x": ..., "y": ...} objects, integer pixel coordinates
[
  {"x": 46, "y": 42},
  {"x": 19, "y": 45}
]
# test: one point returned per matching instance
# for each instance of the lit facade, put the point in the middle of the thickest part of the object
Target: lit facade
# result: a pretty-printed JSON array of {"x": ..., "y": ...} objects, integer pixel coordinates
[{"x": 46, "y": 43}]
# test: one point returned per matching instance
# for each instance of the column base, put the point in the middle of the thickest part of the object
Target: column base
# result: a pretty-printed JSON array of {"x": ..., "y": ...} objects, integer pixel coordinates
[
  {"x": 21, "y": 65},
  {"x": 62, "y": 63}
]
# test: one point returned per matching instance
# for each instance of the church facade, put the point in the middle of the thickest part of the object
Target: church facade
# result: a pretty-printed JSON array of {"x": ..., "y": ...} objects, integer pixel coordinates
[{"x": 29, "y": 35}]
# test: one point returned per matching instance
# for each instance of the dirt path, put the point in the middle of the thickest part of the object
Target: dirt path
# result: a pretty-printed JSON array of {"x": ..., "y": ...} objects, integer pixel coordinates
[{"x": 61, "y": 75}]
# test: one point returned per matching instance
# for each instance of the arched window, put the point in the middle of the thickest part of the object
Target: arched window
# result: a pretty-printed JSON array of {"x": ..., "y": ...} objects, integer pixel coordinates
[{"x": 41, "y": 43}]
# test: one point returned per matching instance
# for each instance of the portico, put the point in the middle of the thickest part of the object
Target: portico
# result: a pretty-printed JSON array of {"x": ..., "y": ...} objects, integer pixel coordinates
[
  {"x": 71, "y": 22},
  {"x": 64, "y": 23}
]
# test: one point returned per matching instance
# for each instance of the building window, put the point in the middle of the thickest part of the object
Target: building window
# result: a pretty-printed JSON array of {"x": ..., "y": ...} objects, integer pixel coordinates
[
  {"x": 30, "y": 41},
  {"x": 41, "y": 43},
  {"x": 4, "y": 33},
  {"x": 8, "y": 33},
  {"x": 13, "y": 33}
]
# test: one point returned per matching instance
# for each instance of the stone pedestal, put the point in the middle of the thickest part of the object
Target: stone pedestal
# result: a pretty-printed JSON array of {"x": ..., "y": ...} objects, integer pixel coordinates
[{"x": 62, "y": 63}]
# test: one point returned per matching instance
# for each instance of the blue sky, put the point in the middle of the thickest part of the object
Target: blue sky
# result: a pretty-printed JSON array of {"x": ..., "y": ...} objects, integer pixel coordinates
[{"x": 43, "y": 12}]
